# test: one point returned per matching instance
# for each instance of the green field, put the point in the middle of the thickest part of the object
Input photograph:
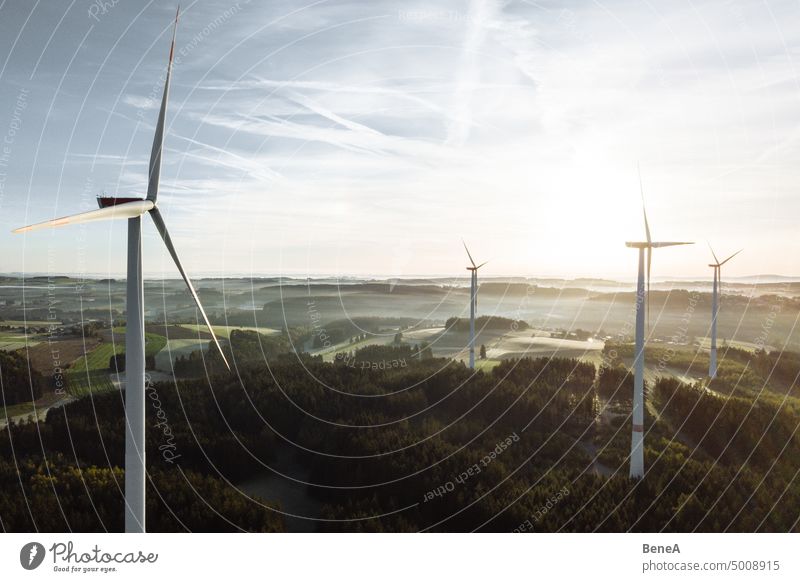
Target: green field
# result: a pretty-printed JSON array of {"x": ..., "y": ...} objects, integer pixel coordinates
[
  {"x": 705, "y": 343},
  {"x": 10, "y": 343},
  {"x": 93, "y": 382},
  {"x": 178, "y": 347},
  {"x": 153, "y": 343},
  {"x": 225, "y": 330},
  {"x": 486, "y": 365},
  {"x": 13, "y": 410},
  {"x": 25, "y": 409},
  {"x": 91, "y": 374},
  {"x": 14, "y": 340},
  {"x": 98, "y": 358}
]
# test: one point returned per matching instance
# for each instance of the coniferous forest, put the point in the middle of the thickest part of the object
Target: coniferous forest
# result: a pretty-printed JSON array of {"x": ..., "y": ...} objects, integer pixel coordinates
[{"x": 427, "y": 445}]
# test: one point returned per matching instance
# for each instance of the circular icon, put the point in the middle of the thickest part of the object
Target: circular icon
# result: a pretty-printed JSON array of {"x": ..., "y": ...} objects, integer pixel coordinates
[{"x": 31, "y": 555}]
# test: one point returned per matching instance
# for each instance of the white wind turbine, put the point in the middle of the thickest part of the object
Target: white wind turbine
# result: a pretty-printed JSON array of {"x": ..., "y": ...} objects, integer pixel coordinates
[
  {"x": 717, "y": 266},
  {"x": 637, "y": 436},
  {"x": 473, "y": 304},
  {"x": 132, "y": 209}
]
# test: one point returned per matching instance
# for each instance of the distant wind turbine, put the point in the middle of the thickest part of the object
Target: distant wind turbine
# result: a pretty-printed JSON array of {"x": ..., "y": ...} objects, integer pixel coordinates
[
  {"x": 637, "y": 437},
  {"x": 717, "y": 266},
  {"x": 133, "y": 209},
  {"x": 473, "y": 304}
]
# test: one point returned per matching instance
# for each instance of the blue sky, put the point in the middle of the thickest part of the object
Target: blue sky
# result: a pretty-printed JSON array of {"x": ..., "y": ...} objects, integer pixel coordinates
[{"x": 358, "y": 138}]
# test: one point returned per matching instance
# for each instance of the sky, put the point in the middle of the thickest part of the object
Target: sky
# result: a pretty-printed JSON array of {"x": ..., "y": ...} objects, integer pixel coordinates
[{"x": 354, "y": 138}]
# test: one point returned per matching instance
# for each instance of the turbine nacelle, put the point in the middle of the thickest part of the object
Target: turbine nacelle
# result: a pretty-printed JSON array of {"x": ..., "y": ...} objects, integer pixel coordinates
[
  {"x": 106, "y": 201},
  {"x": 474, "y": 267},
  {"x": 649, "y": 244},
  {"x": 719, "y": 263}
]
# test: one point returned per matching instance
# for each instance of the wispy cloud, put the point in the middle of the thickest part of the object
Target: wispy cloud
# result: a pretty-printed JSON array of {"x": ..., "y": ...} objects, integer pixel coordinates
[
  {"x": 229, "y": 159},
  {"x": 358, "y": 134},
  {"x": 315, "y": 107},
  {"x": 106, "y": 158},
  {"x": 140, "y": 102},
  {"x": 478, "y": 21}
]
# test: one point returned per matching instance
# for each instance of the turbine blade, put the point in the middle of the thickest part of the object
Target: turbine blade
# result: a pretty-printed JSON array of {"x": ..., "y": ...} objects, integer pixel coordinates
[
  {"x": 158, "y": 139},
  {"x": 646, "y": 225},
  {"x": 729, "y": 258},
  {"x": 644, "y": 210},
  {"x": 126, "y": 210},
  {"x": 659, "y": 245},
  {"x": 162, "y": 230},
  {"x": 468, "y": 253},
  {"x": 482, "y": 264},
  {"x": 716, "y": 260}
]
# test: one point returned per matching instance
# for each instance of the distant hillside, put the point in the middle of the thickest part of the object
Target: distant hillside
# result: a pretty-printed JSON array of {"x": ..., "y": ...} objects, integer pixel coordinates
[
  {"x": 398, "y": 289},
  {"x": 681, "y": 299},
  {"x": 525, "y": 289}
]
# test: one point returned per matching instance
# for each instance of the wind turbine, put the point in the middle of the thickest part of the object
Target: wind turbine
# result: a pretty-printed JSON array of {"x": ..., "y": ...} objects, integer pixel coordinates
[
  {"x": 132, "y": 209},
  {"x": 473, "y": 304},
  {"x": 637, "y": 436},
  {"x": 717, "y": 266}
]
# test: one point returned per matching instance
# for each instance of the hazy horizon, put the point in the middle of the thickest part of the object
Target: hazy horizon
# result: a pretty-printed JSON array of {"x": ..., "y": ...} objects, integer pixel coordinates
[{"x": 379, "y": 277}]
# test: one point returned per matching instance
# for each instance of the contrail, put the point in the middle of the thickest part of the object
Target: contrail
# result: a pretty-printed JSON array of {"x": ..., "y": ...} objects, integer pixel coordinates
[{"x": 479, "y": 16}]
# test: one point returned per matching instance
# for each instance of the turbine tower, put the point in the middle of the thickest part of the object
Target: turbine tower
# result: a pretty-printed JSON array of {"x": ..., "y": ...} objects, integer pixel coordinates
[
  {"x": 132, "y": 209},
  {"x": 637, "y": 436},
  {"x": 473, "y": 304},
  {"x": 717, "y": 266}
]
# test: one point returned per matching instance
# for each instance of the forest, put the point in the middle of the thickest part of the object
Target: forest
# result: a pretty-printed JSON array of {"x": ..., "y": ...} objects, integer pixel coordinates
[
  {"x": 428, "y": 446},
  {"x": 19, "y": 382}
]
